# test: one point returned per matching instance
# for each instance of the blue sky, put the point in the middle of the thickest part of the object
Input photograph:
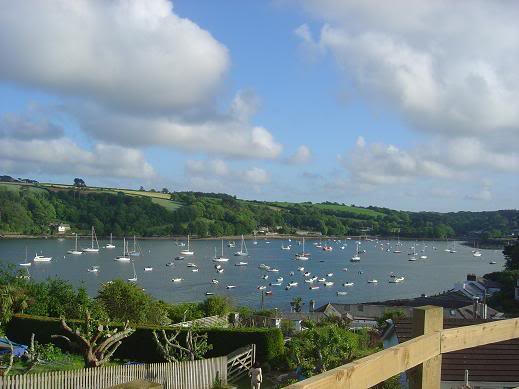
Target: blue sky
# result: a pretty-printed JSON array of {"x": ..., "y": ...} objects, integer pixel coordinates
[{"x": 408, "y": 105}]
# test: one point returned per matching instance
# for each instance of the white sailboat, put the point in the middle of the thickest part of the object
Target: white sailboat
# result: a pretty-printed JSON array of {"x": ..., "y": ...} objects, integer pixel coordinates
[
  {"x": 26, "y": 263},
  {"x": 302, "y": 256},
  {"x": 476, "y": 252},
  {"x": 188, "y": 250},
  {"x": 255, "y": 241},
  {"x": 423, "y": 256},
  {"x": 75, "y": 251},
  {"x": 356, "y": 257},
  {"x": 125, "y": 257},
  {"x": 134, "y": 278},
  {"x": 219, "y": 258},
  {"x": 413, "y": 256},
  {"x": 110, "y": 245},
  {"x": 93, "y": 248},
  {"x": 243, "y": 249},
  {"x": 136, "y": 251}
]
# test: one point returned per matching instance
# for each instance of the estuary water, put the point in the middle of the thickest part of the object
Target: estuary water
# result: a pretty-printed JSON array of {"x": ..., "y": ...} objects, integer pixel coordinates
[{"x": 439, "y": 272}]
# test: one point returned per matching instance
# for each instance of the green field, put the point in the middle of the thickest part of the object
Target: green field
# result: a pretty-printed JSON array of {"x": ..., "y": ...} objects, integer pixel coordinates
[
  {"x": 332, "y": 207},
  {"x": 16, "y": 187}
]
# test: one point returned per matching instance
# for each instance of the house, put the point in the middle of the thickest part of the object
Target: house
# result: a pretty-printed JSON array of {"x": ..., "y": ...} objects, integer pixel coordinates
[
  {"x": 63, "y": 228},
  {"x": 479, "y": 287},
  {"x": 492, "y": 366}
]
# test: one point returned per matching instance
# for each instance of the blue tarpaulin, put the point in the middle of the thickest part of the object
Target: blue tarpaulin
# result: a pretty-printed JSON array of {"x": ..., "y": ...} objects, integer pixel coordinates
[{"x": 19, "y": 349}]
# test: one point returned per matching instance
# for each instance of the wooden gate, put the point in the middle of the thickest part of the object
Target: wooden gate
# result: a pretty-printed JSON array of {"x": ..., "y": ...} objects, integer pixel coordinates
[{"x": 240, "y": 361}]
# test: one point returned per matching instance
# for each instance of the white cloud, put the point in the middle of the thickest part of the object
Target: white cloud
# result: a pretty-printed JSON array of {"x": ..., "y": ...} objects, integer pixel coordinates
[
  {"x": 63, "y": 156},
  {"x": 132, "y": 73},
  {"x": 20, "y": 127},
  {"x": 301, "y": 156},
  {"x": 256, "y": 176},
  {"x": 128, "y": 54}
]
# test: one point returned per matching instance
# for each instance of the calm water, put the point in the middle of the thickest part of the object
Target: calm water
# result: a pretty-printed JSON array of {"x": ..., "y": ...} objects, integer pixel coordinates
[{"x": 437, "y": 273}]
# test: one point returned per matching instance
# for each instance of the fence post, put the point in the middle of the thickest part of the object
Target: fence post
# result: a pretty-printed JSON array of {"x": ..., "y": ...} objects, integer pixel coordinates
[{"x": 426, "y": 320}]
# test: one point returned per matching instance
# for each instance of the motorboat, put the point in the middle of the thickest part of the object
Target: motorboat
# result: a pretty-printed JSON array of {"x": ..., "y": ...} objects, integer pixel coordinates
[
  {"x": 342, "y": 293},
  {"x": 177, "y": 279},
  {"x": 179, "y": 258},
  {"x": 314, "y": 287},
  {"x": 231, "y": 286},
  {"x": 348, "y": 284},
  {"x": 41, "y": 258},
  {"x": 372, "y": 282},
  {"x": 275, "y": 284},
  {"x": 148, "y": 269},
  {"x": 396, "y": 280},
  {"x": 241, "y": 263},
  {"x": 328, "y": 283},
  {"x": 93, "y": 269},
  {"x": 262, "y": 287}
]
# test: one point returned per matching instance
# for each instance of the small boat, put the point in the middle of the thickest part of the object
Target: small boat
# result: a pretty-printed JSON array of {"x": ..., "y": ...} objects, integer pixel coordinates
[
  {"x": 477, "y": 253},
  {"x": 125, "y": 257},
  {"x": 263, "y": 267},
  {"x": 148, "y": 269},
  {"x": 273, "y": 270},
  {"x": 179, "y": 258},
  {"x": 110, "y": 245},
  {"x": 217, "y": 267},
  {"x": 134, "y": 278},
  {"x": 301, "y": 269},
  {"x": 342, "y": 293},
  {"x": 292, "y": 284},
  {"x": 291, "y": 273},
  {"x": 423, "y": 256},
  {"x": 231, "y": 244},
  {"x": 231, "y": 286},
  {"x": 75, "y": 251},
  {"x": 93, "y": 269},
  {"x": 307, "y": 274},
  {"x": 243, "y": 249},
  {"x": 327, "y": 248},
  {"x": 262, "y": 287},
  {"x": 492, "y": 262},
  {"x": 41, "y": 258},
  {"x": 344, "y": 269},
  {"x": 329, "y": 275},
  {"x": 397, "y": 251},
  {"x": 188, "y": 250},
  {"x": 309, "y": 280},
  {"x": 313, "y": 287},
  {"x": 191, "y": 264},
  {"x": 215, "y": 281},
  {"x": 279, "y": 279},
  {"x": 265, "y": 277},
  {"x": 412, "y": 259},
  {"x": 372, "y": 282},
  {"x": 314, "y": 278},
  {"x": 322, "y": 279},
  {"x": 275, "y": 284},
  {"x": 268, "y": 293},
  {"x": 195, "y": 270},
  {"x": 396, "y": 280},
  {"x": 328, "y": 283},
  {"x": 209, "y": 293},
  {"x": 241, "y": 264},
  {"x": 177, "y": 279},
  {"x": 93, "y": 248},
  {"x": 170, "y": 264},
  {"x": 348, "y": 284},
  {"x": 219, "y": 271},
  {"x": 283, "y": 247}
]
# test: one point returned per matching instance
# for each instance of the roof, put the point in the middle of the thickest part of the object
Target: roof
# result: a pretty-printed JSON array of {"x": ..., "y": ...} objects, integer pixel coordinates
[
  {"x": 489, "y": 283},
  {"x": 316, "y": 316},
  {"x": 496, "y": 362},
  {"x": 449, "y": 300}
]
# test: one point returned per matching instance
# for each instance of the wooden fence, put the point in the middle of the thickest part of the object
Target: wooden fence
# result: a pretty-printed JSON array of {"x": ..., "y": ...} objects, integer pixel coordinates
[
  {"x": 184, "y": 375},
  {"x": 422, "y": 354},
  {"x": 240, "y": 361}
]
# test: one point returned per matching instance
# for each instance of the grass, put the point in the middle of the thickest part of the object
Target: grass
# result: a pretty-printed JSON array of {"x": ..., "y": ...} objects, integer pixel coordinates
[{"x": 15, "y": 187}]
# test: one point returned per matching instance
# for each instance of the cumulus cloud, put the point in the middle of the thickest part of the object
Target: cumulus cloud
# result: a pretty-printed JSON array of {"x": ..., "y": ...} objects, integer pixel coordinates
[
  {"x": 63, "y": 156},
  {"x": 131, "y": 73},
  {"x": 215, "y": 174},
  {"x": 301, "y": 156},
  {"x": 19, "y": 127}
]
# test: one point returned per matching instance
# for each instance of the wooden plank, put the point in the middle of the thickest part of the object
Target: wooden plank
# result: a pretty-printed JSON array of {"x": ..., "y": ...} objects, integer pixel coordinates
[
  {"x": 460, "y": 338},
  {"x": 375, "y": 368},
  {"x": 427, "y": 320}
]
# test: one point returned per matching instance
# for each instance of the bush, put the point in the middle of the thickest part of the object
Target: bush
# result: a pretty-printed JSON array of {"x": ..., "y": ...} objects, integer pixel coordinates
[{"x": 141, "y": 346}]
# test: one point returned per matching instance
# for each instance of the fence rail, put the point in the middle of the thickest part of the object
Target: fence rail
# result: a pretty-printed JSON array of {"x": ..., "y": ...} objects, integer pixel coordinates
[
  {"x": 421, "y": 354},
  {"x": 183, "y": 375}
]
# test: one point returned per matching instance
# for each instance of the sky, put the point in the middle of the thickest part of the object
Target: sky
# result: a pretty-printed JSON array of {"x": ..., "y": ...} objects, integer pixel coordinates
[{"x": 406, "y": 104}]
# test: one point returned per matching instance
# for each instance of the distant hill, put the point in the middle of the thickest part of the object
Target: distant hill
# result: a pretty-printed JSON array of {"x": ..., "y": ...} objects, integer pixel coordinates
[{"x": 29, "y": 207}]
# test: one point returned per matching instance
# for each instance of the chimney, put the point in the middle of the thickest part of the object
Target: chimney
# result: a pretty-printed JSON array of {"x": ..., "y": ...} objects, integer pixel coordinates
[
  {"x": 475, "y": 308},
  {"x": 471, "y": 277},
  {"x": 311, "y": 306}
]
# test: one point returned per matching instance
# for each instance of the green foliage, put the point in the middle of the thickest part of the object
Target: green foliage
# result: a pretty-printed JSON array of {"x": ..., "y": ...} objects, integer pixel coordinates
[
  {"x": 321, "y": 348},
  {"x": 217, "y": 305},
  {"x": 511, "y": 253},
  {"x": 391, "y": 314},
  {"x": 140, "y": 346},
  {"x": 297, "y": 304},
  {"x": 125, "y": 301}
]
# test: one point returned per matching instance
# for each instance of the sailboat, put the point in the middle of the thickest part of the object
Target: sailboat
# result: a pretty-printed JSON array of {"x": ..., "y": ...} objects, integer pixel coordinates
[
  {"x": 125, "y": 257},
  {"x": 243, "y": 249},
  {"x": 219, "y": 258},
  {"x": 302, "y": 256},
  {"x": 423, "y": 256},
  {"x": 92, "y": 248},
  {"x": 110, "y": 245},
  {"x": 26, "y": 263},
  {"x": 356, "y": 257},
  {"x": 255, "y": 242},
  {"x": 134, "y": 278},
  {"x": 135, "y": 252},
  {"x": 413, "y": 255},
  {"x": 476, "y": 252},
  {"x": 188, "y": 250},
  {"x": 75, "y": 251}
]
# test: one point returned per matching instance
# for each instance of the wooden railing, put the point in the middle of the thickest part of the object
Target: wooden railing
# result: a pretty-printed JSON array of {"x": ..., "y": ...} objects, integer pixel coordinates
[
  {"x": 422, "y": 354},
  {"x": 240, "y": 361}
]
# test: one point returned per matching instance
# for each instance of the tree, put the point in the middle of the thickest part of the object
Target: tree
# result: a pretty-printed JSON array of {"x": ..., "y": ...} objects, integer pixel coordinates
[
  {"x": 142, "y": 189},
  {"x": 217, "y": 305},
  {"x": 195, "y": 345},
  {"x": 297, "y": 304},
  {"x": 79, "y": 183},
  {"x": 165, "y": 190},
  {"x": 96, "y": 342},
  {"x": 336, "y": 346},
  {"x": 511, "y": 253}
]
